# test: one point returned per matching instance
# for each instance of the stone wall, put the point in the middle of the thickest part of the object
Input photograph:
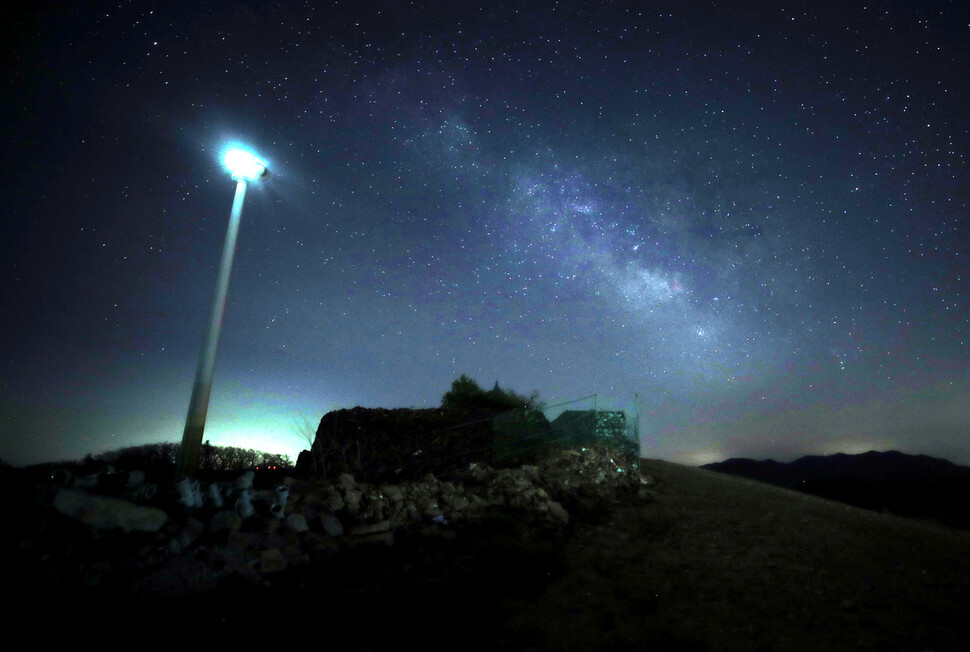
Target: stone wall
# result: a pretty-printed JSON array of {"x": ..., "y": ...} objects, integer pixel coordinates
[{"x": 393, "y": 445}]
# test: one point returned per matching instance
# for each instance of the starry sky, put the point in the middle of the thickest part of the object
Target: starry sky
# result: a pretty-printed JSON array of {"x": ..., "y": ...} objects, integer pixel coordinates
[{"x": 744, "y": 224}]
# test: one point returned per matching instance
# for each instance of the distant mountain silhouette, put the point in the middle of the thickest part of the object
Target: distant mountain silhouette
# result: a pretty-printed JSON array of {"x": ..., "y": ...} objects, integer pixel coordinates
[{"x": 917, "y": 486}]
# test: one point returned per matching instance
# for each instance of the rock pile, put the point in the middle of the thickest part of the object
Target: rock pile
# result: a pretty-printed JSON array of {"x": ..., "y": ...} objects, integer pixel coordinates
[{"x": 319, "y": 517}]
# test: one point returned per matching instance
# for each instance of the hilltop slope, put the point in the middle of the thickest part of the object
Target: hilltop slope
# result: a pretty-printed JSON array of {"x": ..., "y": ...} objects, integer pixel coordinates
[{"x": 725, "y": 563}]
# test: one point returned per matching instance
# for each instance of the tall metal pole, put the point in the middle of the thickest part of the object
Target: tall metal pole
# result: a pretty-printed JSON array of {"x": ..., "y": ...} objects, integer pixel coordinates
[{"x": 191, "y": 448}]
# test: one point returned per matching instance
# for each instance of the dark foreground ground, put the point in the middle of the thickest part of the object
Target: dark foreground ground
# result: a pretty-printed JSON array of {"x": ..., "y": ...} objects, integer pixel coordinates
[
  {"x": 724, "y": 563},
  {"x": 714, "y": 563}
]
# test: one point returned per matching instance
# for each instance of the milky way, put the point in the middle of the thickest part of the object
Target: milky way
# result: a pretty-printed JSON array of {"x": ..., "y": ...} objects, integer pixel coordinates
[{"x": 746, "y": 226}]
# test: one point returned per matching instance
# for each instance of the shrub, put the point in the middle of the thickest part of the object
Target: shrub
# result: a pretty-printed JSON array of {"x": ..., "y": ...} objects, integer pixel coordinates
[
  {"x": 520, "y": 427},
  {"x": 465, "y": 393}
]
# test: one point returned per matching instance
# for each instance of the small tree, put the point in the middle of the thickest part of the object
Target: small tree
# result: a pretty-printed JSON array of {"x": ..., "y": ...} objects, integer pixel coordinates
[{"x": 463, "y": 393}]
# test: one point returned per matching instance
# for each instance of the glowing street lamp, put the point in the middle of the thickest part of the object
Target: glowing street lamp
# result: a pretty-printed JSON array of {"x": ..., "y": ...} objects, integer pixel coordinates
[{"x": 244, "y": 167}]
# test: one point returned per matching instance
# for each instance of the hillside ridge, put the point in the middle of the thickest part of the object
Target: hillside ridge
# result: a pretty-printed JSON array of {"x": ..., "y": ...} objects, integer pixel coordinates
[{"x": 917, "y": 486}]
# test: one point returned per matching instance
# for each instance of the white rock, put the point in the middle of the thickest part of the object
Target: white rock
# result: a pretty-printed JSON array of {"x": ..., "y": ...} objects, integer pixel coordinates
[
  {"x": 352, "y": 498},
  {"x": 558, "y": 512},
  {"x": 372, "y": 528},
  {"x": 335, "y": 500},
  {"x": 393, "y": 493},
  {"x": 332, "y": 525},
  {"x": 107, "y": 513},
  {"x": 297, "y": 522},
  {"x": 193, "y": 528}
]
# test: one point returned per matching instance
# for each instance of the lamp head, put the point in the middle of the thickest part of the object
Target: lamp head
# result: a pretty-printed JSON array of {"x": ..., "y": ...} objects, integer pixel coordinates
[{"x": 244, "y": 165}]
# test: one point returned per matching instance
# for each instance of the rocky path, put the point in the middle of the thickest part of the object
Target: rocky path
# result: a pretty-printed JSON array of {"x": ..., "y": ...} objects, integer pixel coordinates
[{"x": 723, "y": 563}]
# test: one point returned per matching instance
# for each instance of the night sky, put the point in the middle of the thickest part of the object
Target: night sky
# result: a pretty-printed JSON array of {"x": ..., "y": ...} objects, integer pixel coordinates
[{"x": 747, "y": 223}]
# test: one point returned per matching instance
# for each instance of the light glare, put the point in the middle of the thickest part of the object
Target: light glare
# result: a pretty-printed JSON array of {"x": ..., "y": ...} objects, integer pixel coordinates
[{"x": 244, "y": 165}]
